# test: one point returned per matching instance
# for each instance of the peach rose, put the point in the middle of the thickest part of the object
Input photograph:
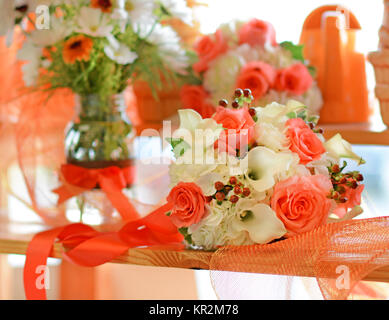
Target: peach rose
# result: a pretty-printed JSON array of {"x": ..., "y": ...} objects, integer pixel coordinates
[
  {"x": 257, "y": 76},
  {"x": 188, "y": 203},
  {"x": 353, "y": 197},
  {"x": 239, "y": 127},
  {"x": 294, "y": 79},
  {"x": 257, "y": 32},
  {"x": 301, "y": 203},
  {"x": 195, "y": 97},
  {"x": 208, "y": 49},
  {"x": 304, "y": 141}
]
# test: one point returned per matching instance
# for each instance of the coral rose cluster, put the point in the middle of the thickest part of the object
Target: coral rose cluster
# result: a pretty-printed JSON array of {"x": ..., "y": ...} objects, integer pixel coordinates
[
  {"x": 272, "y": 174},
  {"x": 247, "y": 55}
]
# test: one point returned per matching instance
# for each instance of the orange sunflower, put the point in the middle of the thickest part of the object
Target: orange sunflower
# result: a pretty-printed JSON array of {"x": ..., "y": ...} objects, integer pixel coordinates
[
  {"x": 77, "y": 48},
  {"x": 104, "y": 5}
]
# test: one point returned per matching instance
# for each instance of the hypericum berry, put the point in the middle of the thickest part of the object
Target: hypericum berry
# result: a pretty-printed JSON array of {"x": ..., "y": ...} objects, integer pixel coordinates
[
  {"x": 234, "y": 199},
  {"x": 208, "y": 199},
  {"x": 311, "y": 125},
  {"x": 237, "y": 190},
  {"x": 343, "y": 180},
  {"x": 223, "y": 103},
  {"x": 335, "y": 195},
  {"x": 238, "y": 93},
  {"x": 341, "y": 189},
  {"x": 359, "y": 177},
  {"x": 247, "y": 93},
  {"x": 343, "y": 200},
  {"x": 320, "y": 131},
  {"x": 233, "y": 181},
  {"x": 220, "y": 196},
  {"x": 246, "y": 192},
  {"x": 235, "y": 104},
  {"x": 335, "y": 168},
  {"x": 219, "y": 186},
  {"x": 252, "y": 112},
  {"x": 353, "y": 184}
]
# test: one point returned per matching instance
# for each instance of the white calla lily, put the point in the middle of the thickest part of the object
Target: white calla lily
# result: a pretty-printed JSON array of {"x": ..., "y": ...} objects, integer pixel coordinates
[
  {"x": 261, "y": 223},
  {"x": 339, "y": 148},
  {"x": 264, "y": 164}
]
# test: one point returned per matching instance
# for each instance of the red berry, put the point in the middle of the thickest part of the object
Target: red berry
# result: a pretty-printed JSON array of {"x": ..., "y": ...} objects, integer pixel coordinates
[
  {"x": 246, "y": 192},
  {"x": 220, "y": 196},
  {"x": 234, "y": 199},
  {"x": 343, "y": 200},
  {"x": 233, "y": 180},
  {"x": 359, "y": 177},
  {"x": 343, "y": 180},
  {"x": 341, "y": 189},
  {"x": 208, "y": 199},
  {"x": 219, "y": 186},
  {"x": 247, "y": 93},
  {"x": 335, "y": 168},
  {"x": 223, "y": 103},
  {"x": 336, "y": 195},
  {"x": 252, "y": 112},
  {"x": 235, "y": 104},
  {"x": 238, "y": 93},
  {"x": 237, "y": 190}
]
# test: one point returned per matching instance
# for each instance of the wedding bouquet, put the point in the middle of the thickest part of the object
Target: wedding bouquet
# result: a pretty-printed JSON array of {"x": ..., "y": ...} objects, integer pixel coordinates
[
  {"x": 246, "y": 55},
  {"x": 252, "y": 175}
]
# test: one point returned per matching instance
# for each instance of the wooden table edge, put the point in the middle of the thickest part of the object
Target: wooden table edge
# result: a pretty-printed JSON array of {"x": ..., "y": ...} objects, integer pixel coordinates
[{"x": 184, "y": 259}]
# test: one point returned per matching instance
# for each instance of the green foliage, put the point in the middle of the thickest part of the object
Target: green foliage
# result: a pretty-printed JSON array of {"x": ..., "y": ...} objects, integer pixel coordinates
[
  {"x": 296, "y": 50},
  {"x": 187, "y": 236},
  {"x": 179, "y": 146}
]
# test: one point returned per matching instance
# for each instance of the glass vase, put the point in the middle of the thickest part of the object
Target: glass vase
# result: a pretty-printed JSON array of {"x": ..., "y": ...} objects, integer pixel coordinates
[{"x": 101, "y": 136}]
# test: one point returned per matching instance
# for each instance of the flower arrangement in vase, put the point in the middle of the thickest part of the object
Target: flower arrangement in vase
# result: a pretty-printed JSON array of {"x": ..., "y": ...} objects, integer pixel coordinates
[
  {"x": 94, "y": 48},
  {"x": 253, "y": 175},
  {"x": 247, "y": 55}
]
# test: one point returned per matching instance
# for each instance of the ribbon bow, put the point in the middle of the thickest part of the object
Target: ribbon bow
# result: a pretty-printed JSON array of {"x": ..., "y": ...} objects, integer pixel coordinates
[
  {"x": 90, "y": 248},
  {"x": 111, "y": 180}
]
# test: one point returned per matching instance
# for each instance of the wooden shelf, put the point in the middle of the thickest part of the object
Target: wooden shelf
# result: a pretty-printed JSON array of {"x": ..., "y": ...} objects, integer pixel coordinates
[
  {"x": 359, "y": 133},
  {"x": 186, "y": 259}
]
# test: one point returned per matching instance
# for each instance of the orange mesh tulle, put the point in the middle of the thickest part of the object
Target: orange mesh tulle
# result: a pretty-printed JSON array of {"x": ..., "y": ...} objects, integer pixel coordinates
[{"x": 329, "y": 253}]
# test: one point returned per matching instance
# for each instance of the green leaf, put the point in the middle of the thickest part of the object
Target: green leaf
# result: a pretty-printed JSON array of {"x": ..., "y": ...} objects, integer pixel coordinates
[
  {"x": 187, "y": 236},
  {"x": 312, "y": 70},
  {"x": 291, "y": 115},
  {"x": 296, "y": 50},
  {"x": 179, "y": 146}
]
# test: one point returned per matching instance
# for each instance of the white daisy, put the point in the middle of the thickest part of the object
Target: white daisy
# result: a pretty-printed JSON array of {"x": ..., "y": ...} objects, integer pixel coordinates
[
  {"x": 140, "y": 11},
  {"x": 119, "y": 52},
  {"x": 58, "y": 31},
  {"x": 169, "y": 47},
  {"x": 94, "y": 22},
  {"x": 179, "y": 9}
]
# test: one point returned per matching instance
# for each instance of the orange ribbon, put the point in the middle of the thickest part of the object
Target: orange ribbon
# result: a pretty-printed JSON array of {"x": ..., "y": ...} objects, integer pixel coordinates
[
  {"x": 90, "y": 248},
  {"x": 111, "y": 180}
]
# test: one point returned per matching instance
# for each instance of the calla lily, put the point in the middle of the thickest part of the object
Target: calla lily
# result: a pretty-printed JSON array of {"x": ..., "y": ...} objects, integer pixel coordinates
[
  {"x": 261, "y": 222},
  {"x": 264, "y": 164},
  {"x": 340, "y": 148},
  {"x": 199, "y": 128}
]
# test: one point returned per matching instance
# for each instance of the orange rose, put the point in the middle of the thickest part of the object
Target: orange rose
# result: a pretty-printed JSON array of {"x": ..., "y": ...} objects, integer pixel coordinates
[
  {"x": 353, "y": 197},
  {"x": 257, "y": 32},
  {"x": 239, "y": 127},
  {"x": 188, "y": 203},
  {"x": 304, "y": 141},
  {"x": 208, "y": 49},
  {"x": 257, "y": 76},
  {"x": 295, "y": 79},
  {"x": 301, "y": 203},
  {"x": 195, "y": 97}
]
